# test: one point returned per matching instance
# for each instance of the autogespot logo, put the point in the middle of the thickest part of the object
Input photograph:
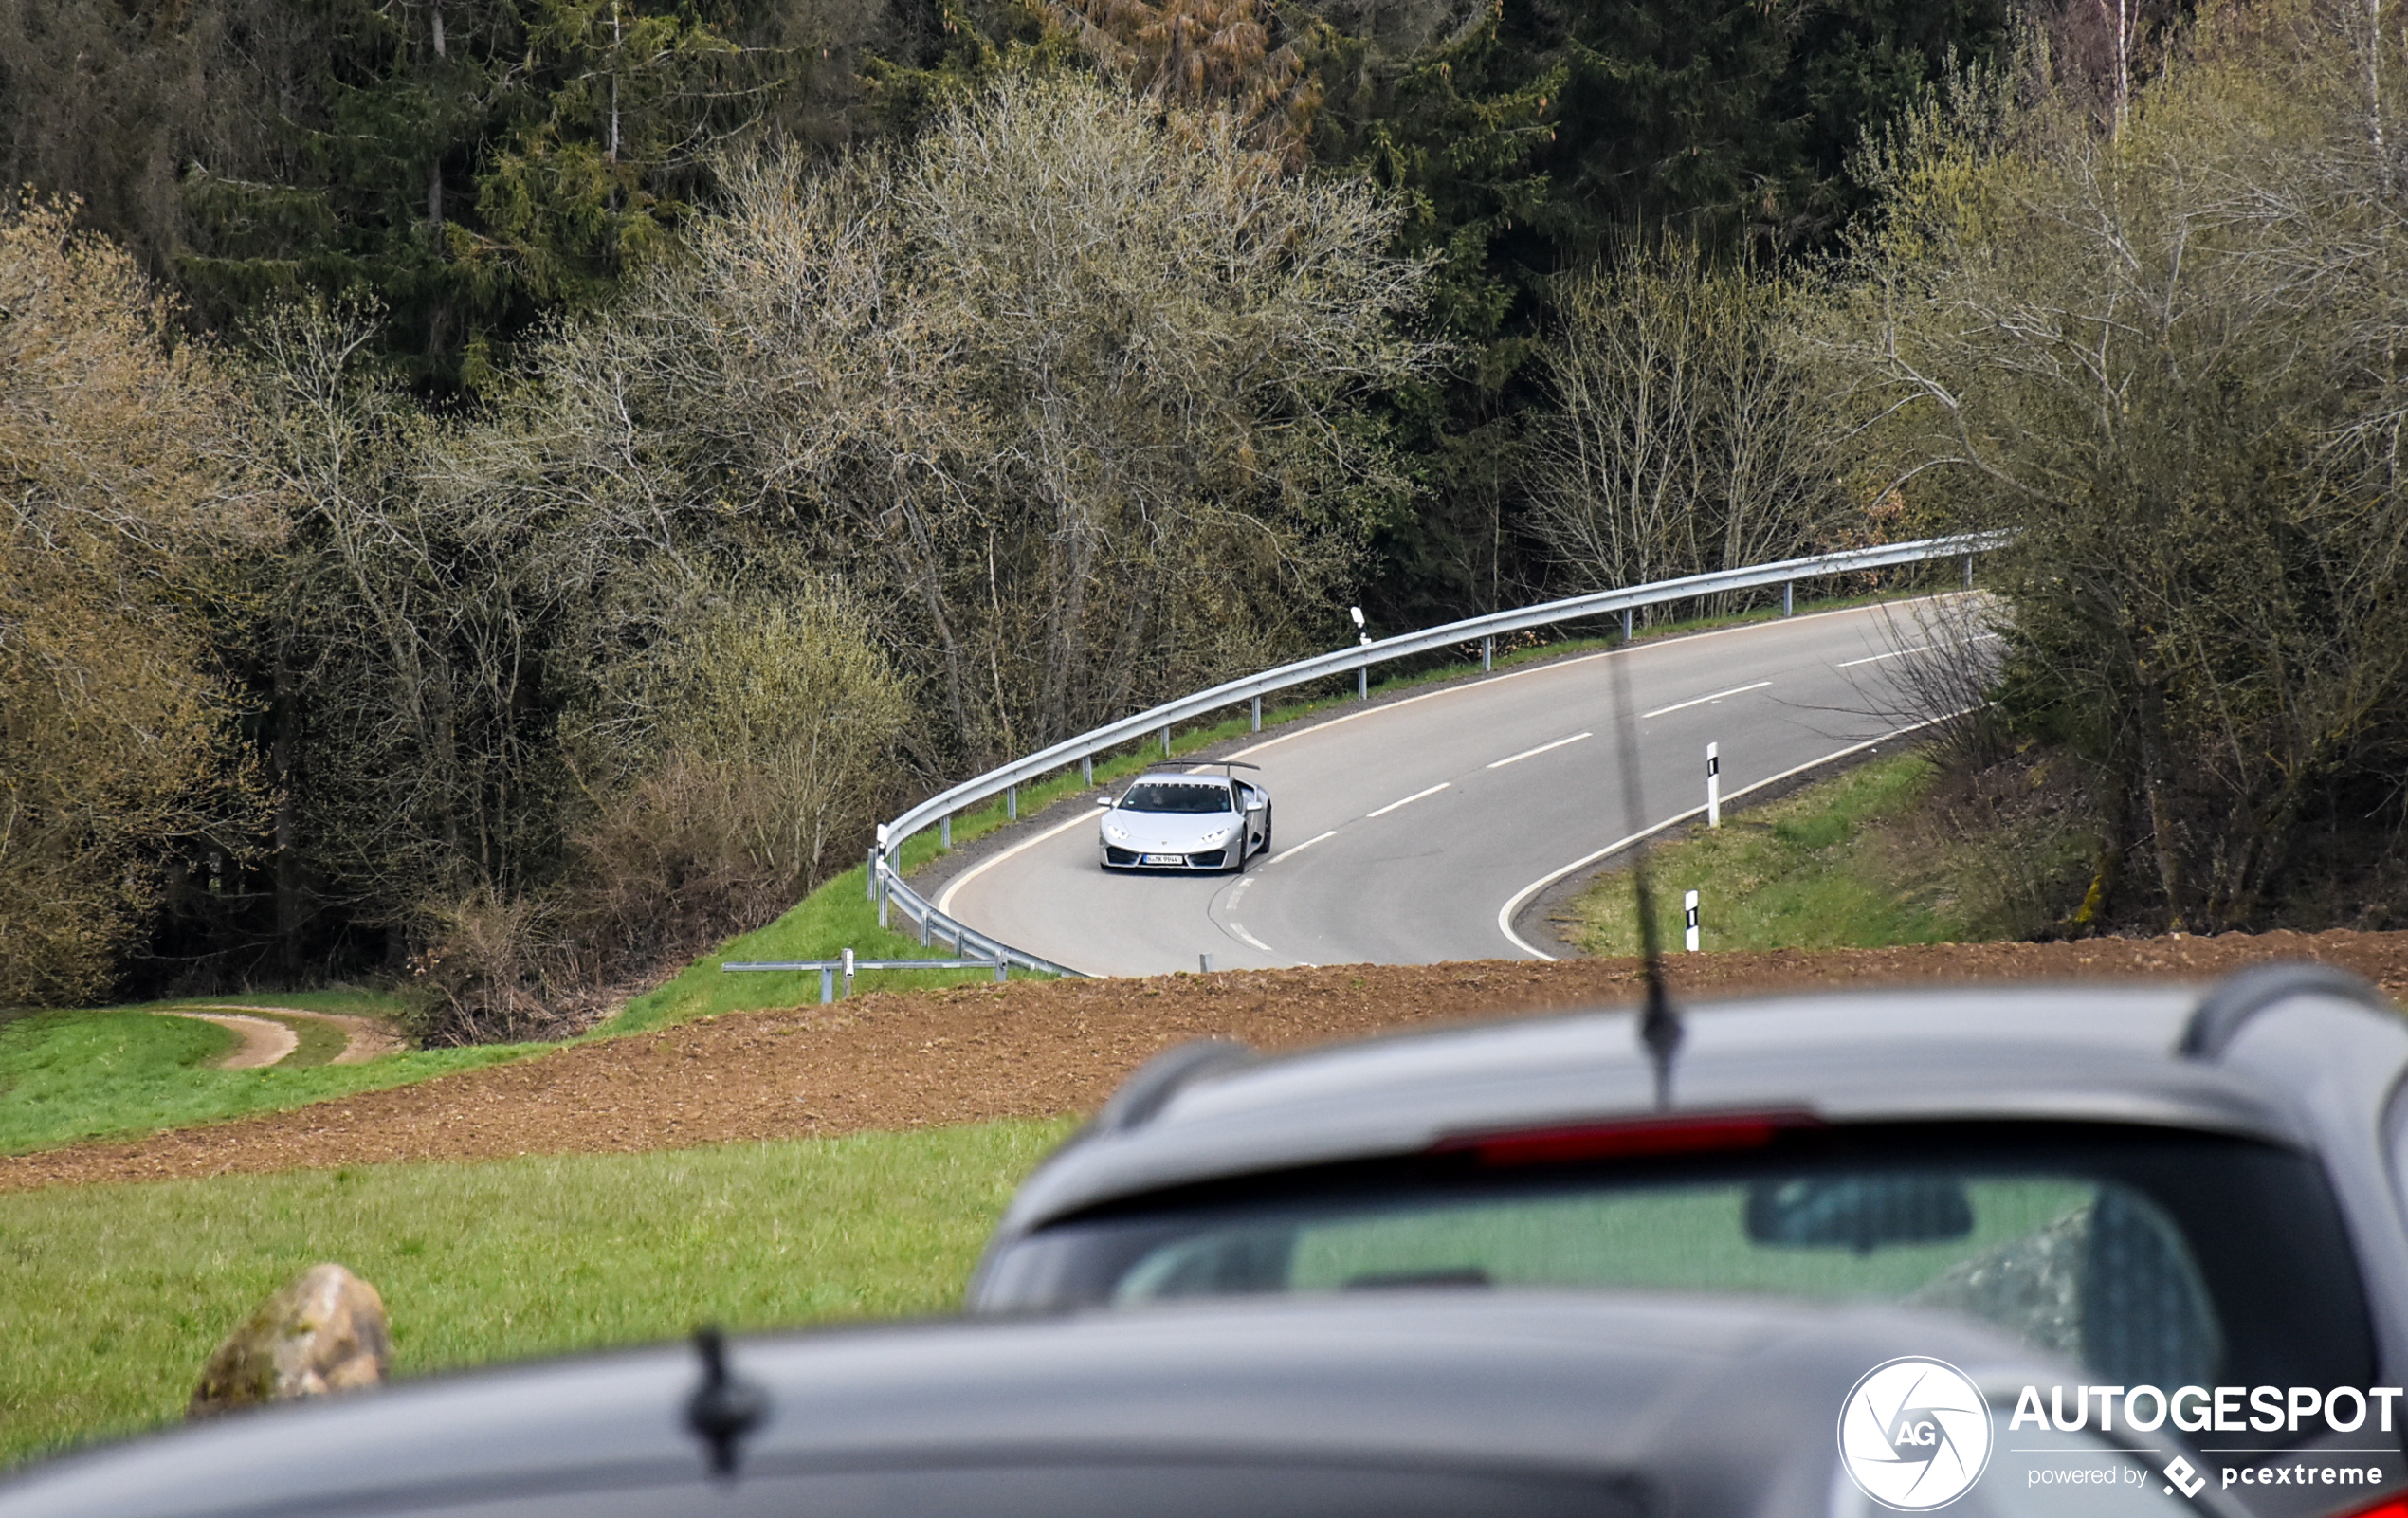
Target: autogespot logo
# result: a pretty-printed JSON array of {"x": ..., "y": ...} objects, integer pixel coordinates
[{"x": 1914, "y": 1433}]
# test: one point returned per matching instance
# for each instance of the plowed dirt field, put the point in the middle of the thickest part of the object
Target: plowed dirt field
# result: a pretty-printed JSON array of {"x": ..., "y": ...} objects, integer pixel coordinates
[{"x": 1035, "y": 1048}]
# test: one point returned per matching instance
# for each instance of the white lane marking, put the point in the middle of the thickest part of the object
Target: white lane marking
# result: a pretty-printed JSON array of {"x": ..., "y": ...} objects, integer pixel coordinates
[
  {"x": 1239, "y": 929},
  {"x": 1531, "y": 753},
  {"x": 1290, "y": 853},
  {"x": 1685, "y": 638},
  {"x": 945, "y": 898},
  {"x": 1894, "y": 653},
  {"x": 1683, "y": 705},
  {"x": 1513, "y": 904},
  {"x": 1924, "y": 647},
  {"x": 1407, "y": 801},
  {"x": 1239, "y": 889}
]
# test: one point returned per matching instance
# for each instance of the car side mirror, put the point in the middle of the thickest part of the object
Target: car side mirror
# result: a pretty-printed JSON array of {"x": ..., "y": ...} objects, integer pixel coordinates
[{"x": 1862, "y": 1212}]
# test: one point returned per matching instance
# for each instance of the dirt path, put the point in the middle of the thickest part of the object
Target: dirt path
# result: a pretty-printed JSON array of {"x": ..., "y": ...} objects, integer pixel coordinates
[
  {"x": 364, "y": 1038},
  {"x": 265, "y": 1041},
  {"x": 1030, "y": 1048}
]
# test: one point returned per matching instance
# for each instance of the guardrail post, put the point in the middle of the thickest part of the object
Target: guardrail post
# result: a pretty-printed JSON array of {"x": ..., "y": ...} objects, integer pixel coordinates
[
  {"x": 1011, "y": 803},
  {"x": 1968, "y": 572},
  {"x": 873, "y": 874},
  {"x": 826, "y": 985},
  {"x": 849, "y": 963},
  {"x": 1626, "y": 624},
  {"x": 1258, "y": 714},
  {"x": 1487, "y": 654},
  {"x": 1003, "y": 967},
  {"x": 1166, "y": 741},
  {"x": 944, "y": 831},
  {"x": 924, "y": 930},
  {"x": 1788, "y": 604},
  {"x": 1086, "y": 768},
  {"x": 1362, "y": 682},
  {"x": 883, "y": 900}
]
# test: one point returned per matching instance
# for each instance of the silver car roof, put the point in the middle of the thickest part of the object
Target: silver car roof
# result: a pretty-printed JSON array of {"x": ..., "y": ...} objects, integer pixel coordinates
[
  {"x": 2076, "y": 1054},
  {"x": 1616, "y": 1386}
]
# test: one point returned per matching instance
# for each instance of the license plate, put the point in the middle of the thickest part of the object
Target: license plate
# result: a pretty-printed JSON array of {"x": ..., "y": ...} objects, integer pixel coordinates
[{"x": 1163, "y": 859}]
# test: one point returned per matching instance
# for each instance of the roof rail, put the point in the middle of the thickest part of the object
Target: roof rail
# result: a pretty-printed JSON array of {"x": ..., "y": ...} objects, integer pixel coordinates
[
  {"x": 1160, "y": 1078},
  {"x": 2234, "y": 1001}
]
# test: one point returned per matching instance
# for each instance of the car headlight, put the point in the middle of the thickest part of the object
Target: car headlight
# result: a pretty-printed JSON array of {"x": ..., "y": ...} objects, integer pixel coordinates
[
  {"x": 1220, "y": 834},
  {"x": 1116, "y": 833}
]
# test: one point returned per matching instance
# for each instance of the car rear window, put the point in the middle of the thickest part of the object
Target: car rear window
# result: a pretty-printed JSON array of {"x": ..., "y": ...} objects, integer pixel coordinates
[{"x": 2151, "y": 1258}]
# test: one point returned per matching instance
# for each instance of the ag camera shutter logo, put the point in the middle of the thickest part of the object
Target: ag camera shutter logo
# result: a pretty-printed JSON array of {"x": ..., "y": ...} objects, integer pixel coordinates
[{"x": 1914, "y": 1433}]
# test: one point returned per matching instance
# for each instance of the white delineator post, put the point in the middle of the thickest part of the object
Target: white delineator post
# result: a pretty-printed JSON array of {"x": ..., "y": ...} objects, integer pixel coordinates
[
  {"x": 1362, "y": 675},
  {"x": 1689, "y": 906},
  {"x": 1713, "y": 785},
  {"x": 877, "y": 877}
]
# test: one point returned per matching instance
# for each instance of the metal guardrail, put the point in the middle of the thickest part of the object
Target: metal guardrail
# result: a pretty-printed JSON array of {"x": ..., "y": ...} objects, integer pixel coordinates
[
  {"x": 829, "y": 969},
  {"x": 890, "y": 892}
]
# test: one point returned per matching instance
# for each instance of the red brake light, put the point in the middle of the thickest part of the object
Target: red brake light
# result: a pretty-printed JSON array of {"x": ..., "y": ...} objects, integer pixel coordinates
[{"x": 1642, "y": 1138}]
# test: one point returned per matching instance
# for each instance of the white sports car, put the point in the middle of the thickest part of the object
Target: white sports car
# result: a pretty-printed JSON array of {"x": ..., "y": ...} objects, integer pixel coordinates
[{"x": 1181, "y": 821}]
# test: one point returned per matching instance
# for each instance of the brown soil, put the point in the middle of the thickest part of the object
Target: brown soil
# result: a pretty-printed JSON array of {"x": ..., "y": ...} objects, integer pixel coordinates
[{"x": 909, "y": 1059}]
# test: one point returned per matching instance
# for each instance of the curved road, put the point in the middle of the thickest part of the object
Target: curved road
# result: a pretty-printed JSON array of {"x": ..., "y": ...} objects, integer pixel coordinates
[{"x": 1409, "y": 832}]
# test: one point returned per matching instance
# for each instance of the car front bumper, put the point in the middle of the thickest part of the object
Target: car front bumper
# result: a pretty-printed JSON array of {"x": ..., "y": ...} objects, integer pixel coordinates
[{"x": 1116, "y": 857}]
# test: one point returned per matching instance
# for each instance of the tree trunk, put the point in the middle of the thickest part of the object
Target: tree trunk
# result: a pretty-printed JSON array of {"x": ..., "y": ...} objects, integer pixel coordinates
[{"x": 287, "y": 826}]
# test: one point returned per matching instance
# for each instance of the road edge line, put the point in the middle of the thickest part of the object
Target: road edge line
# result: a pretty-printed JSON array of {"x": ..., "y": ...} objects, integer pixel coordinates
[
  {"x": 1504, "y": 913},
  {"x": 945, "y": 898}
]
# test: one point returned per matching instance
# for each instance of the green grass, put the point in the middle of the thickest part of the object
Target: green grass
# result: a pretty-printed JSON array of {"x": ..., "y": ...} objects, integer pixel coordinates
[
  {"x": 66, "y": 1076},
  {"x": 1825, "y": 868},
  {"x": 112, "y": 1296}
]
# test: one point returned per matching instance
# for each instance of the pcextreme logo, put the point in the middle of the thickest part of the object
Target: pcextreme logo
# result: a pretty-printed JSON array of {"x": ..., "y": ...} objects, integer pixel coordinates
[{"x": 1914, "y": 1433}]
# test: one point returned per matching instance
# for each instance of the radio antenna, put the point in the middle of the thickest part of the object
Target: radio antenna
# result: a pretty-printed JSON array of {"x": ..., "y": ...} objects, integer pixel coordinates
[{"x": 1660, "y": 1027}]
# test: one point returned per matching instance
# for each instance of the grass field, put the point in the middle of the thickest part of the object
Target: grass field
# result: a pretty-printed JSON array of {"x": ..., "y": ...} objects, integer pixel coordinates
[
  {"x": 112, "y": 1296},
  {"x": 1830, "y": 866},
  {"x": 71, "y": 1075}
]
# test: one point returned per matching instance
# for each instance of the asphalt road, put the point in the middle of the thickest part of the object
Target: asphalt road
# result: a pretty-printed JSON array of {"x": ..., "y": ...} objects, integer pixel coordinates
[{"x": 1411, "y": 832}]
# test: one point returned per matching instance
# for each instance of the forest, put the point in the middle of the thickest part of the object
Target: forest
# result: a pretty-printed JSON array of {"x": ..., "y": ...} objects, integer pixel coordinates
[{"x": 506, "y": 491}]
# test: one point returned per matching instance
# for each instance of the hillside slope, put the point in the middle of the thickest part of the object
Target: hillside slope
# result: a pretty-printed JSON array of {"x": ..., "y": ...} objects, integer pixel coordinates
[{"x": 1036, "y": 1048}]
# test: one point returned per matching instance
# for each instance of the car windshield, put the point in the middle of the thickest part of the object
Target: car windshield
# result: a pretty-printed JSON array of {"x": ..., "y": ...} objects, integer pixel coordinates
[
  {"x": 2158, "y": 1259},
  {"x": 1178, "y": 795}
]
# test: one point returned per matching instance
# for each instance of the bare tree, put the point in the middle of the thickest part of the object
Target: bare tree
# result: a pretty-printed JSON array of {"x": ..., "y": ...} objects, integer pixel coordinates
[
  {"x": 1689, "y": 434},
  {"x": 123, "y": 503},
  {"x": 1072, "y": 390},
  {"x": 2168, "y": 358}
]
